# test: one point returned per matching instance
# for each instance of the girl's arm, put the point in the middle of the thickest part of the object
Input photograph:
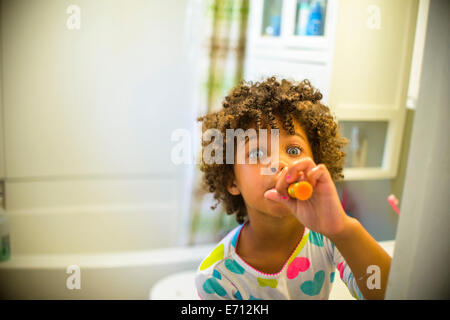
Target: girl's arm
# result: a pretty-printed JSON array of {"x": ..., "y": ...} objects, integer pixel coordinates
[{"x": 368, "y": 261}]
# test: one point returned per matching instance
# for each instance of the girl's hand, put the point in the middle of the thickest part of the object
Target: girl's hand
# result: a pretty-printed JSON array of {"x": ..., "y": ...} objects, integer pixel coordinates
[{"x": 323, "y": 211}]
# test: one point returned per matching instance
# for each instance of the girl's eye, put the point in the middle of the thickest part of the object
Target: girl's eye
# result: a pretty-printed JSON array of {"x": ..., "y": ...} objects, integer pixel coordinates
[
  {"x": 294, "y": 151},
  {"x": 257, "y": 154}
]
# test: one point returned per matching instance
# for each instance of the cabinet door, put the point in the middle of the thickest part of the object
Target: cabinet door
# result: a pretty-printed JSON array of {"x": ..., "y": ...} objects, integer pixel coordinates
[
  {"x": 373, "y": 50},
  {"x": 292, "y": 24}
]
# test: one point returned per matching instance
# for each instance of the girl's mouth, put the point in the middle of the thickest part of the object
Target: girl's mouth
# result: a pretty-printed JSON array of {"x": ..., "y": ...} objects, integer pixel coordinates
[{"x": 269, "y": 191}]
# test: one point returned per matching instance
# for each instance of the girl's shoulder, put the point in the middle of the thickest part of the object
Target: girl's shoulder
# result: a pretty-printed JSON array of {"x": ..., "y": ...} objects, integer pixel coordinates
[{"x": 222, "y": 250}]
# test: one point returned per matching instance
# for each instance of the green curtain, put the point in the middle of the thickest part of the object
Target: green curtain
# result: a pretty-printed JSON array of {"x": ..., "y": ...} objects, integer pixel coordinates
[{"x": 222, "y": 64}]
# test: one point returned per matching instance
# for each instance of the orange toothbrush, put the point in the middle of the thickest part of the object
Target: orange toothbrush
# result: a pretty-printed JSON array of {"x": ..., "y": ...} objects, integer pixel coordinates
[{"x": 300, "y": 190}]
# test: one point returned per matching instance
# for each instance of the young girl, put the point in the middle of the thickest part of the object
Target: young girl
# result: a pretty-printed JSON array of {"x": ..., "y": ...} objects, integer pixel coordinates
[{"x": 285, "y": 248}]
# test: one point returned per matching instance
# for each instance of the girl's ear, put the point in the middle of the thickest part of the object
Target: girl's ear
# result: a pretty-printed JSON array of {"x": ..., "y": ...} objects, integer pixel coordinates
[{"x": 232, "y": 188}]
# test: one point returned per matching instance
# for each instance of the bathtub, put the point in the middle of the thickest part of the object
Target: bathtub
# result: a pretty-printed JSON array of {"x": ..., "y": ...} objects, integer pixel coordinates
[
  {"x": 121, "y": 233},
  {"x": 121, "y": 275},
  {"x": 156, "y": 274}
]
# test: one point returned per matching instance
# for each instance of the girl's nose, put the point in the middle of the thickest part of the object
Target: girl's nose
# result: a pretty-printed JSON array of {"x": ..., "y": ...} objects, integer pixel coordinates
[{"x": 278, "y": 168}]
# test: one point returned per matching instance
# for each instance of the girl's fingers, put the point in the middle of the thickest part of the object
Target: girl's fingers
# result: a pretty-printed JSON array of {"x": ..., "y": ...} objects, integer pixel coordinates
[
  {"x": 318, "y": 174},
  {"x": 305, "y": 164},
  {"x": 293, "y": 174}
]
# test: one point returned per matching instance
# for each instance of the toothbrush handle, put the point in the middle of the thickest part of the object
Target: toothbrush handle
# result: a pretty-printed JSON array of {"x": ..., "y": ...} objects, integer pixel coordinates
[
  {"x": 393, "y": 202},
  {"x": 300, "y": 190}
]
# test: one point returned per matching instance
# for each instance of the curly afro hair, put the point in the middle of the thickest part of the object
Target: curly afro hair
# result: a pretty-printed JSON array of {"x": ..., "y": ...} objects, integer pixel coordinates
[{"x": 255, "y": 103}]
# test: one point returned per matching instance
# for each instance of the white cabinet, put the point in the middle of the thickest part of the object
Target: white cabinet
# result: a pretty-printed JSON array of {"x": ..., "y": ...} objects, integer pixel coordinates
[
  {"x": 284, "y": 42},
  {"x": 357, "y": 53}
]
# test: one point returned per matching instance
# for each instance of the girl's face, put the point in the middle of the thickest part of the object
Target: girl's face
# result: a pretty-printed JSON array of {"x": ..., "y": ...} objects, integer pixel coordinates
[{"x": 252, "y": 184}]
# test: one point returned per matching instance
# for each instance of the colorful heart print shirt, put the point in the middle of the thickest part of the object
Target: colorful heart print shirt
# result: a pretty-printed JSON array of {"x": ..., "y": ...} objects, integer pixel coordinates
[{"x": 309, "y": 272}]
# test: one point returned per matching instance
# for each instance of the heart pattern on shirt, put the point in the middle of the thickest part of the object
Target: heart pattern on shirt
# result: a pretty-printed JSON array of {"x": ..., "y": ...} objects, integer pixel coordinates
[
  {"x": 233, "y": 266},
  {"x": 211, "y": 285},
  {"x": 316, "y": 238},
  {"x": 214, "y": 256},
  {"x": 312, "y": 288},
  {"x": 299, "y": 264},
  {"x": 341, "y": 268},
  {"x": 267, "y": 282}
]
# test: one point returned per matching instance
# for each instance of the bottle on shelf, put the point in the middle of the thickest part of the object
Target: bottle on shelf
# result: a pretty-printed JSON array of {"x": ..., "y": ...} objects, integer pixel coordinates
[
  {"x": 5, "y": 250},
  {"x": 272, "y": 18},
  {"x": 302, "y": 17},
  {"x": 316, "y": 19}
]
